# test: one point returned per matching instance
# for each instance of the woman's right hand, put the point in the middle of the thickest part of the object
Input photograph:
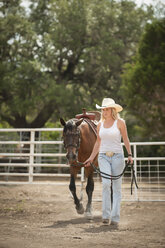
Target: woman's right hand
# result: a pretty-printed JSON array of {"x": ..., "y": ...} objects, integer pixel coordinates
[{"x": 88, "y": 162}]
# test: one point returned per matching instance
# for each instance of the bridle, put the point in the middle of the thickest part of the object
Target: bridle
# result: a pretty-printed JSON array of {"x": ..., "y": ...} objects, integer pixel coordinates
[{"x": 72, "y": 136}]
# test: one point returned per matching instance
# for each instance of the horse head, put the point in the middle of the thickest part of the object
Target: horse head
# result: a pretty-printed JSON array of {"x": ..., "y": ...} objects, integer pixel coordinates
[{"x": 71, "y": 138}]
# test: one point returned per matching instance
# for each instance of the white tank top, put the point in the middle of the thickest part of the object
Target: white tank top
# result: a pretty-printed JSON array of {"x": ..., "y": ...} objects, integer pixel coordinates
[{"x": 110, "y": 139}]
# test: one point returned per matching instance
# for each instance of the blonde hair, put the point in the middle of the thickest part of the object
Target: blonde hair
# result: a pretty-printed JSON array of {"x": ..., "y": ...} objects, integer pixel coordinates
[{"x": 114, "y": 113}]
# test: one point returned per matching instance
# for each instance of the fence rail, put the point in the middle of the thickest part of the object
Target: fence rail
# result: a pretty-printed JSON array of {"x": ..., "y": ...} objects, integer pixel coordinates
[{"x": 39, "y": 160}]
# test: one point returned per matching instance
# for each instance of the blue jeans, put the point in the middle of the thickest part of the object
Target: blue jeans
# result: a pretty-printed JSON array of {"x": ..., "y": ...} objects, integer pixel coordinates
[{"x": 111, "y": 165}]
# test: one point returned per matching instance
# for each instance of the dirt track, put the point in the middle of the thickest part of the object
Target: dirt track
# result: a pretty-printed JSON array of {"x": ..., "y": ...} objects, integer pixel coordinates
[{"x": 38, "y": 216}]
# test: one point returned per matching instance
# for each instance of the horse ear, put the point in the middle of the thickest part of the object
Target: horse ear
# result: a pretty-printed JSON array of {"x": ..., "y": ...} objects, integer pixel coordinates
[
  {"x": 62, "y": 122},
  {"x": 78, "y": 122}
]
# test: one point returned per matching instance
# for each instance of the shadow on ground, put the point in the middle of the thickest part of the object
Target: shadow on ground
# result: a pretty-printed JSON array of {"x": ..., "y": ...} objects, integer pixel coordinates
[{"x": 95, "y": 224}]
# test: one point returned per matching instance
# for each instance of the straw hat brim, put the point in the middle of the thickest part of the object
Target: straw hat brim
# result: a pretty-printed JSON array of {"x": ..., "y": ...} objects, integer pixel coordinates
[{"x": 116, "y": 106}]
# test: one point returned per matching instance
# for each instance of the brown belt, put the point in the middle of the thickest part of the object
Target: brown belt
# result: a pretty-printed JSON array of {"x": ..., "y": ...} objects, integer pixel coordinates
[{"x": 108, "y": 154}]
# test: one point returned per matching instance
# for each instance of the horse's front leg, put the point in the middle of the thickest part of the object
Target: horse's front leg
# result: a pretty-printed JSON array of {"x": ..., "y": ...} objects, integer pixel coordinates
[
  {"x": 89, "y": 190},
  {"x": 72, "y": 187}
]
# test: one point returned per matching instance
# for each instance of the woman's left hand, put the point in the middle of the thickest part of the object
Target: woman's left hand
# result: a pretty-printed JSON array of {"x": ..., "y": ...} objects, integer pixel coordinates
[{"x": 130, "y": 160}]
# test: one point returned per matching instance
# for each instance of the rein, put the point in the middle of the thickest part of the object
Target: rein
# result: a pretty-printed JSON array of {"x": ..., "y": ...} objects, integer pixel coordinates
[
  {"x": 92, "y": 125},
  {"x": 111, "y": 177}
]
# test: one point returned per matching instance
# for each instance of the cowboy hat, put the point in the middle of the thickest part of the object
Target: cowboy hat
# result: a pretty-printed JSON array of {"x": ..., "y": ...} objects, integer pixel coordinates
[{"x": 109, "y": 103}]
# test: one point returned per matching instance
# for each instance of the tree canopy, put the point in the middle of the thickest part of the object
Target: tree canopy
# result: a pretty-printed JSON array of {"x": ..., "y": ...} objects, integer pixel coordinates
[
  {"x": 144, "y": 82},
  {"x": 60, "y": 56}
]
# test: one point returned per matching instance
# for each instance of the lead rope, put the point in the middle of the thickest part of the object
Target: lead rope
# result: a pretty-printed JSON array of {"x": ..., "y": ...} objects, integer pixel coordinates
[
  {"x": 133, "y": 178},
  {"x": 111, "y": 177}
]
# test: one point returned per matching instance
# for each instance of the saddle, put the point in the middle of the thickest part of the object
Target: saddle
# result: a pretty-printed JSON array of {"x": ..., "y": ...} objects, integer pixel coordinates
[{"x": 90, "y": 117}]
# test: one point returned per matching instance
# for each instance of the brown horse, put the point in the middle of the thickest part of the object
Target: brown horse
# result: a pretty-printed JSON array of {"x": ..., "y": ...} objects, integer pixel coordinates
[{"x": 79, "y": 140}]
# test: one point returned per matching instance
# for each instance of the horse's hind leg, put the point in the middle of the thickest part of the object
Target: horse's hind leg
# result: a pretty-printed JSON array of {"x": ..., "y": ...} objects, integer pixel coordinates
[
  {"x": 89, "y": 190},
  {"x": 72, "y": 187}
]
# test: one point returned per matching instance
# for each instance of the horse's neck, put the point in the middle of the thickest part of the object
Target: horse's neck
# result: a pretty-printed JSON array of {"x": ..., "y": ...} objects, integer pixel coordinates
[
  {"x": 88, "y": 139},
  {"x": 93, "y": 125}
]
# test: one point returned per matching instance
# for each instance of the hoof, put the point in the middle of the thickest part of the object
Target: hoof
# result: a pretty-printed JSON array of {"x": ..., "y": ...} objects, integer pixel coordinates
[
  {"x": 88, "y": 215},
  {"x": 80, "y": 209}
]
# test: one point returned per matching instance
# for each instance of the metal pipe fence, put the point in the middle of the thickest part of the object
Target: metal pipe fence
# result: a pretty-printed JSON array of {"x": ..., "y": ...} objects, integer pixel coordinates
[{"x": 36, "y": 156}]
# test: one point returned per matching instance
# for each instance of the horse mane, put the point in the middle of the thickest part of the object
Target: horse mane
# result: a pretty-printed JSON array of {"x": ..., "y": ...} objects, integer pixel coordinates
[
  {"x": 69, "y": 124},
  {"x": 92, "y": 123}
]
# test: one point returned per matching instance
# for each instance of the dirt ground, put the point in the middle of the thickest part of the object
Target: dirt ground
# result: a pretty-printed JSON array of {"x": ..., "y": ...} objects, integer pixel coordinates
[{"x": 44, "y": 216}]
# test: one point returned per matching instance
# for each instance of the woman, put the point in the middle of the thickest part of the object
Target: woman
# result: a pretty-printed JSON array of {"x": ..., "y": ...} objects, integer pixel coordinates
[{"x": 111, "y": 157}]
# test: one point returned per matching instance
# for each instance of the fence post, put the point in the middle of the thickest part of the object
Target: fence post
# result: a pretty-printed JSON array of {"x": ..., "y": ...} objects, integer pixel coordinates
[
  {"x": 60, "y": 159},
  {"x": 82, "y": 183},
  {"x": 38, "y": 150},
  {"x": 32, "y": 138},
  {"x": 135, "y": 166}
]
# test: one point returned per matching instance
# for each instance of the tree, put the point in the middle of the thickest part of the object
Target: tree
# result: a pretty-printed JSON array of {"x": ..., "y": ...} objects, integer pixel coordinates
[
  {"x": 26, "y": 92},
  {"x": 63, "y": 55},
  {"x": 144, "y": 82}
]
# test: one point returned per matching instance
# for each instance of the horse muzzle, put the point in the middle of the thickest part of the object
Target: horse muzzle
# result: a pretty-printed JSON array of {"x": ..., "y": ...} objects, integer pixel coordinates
[{"x": 71, "y": 157}]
